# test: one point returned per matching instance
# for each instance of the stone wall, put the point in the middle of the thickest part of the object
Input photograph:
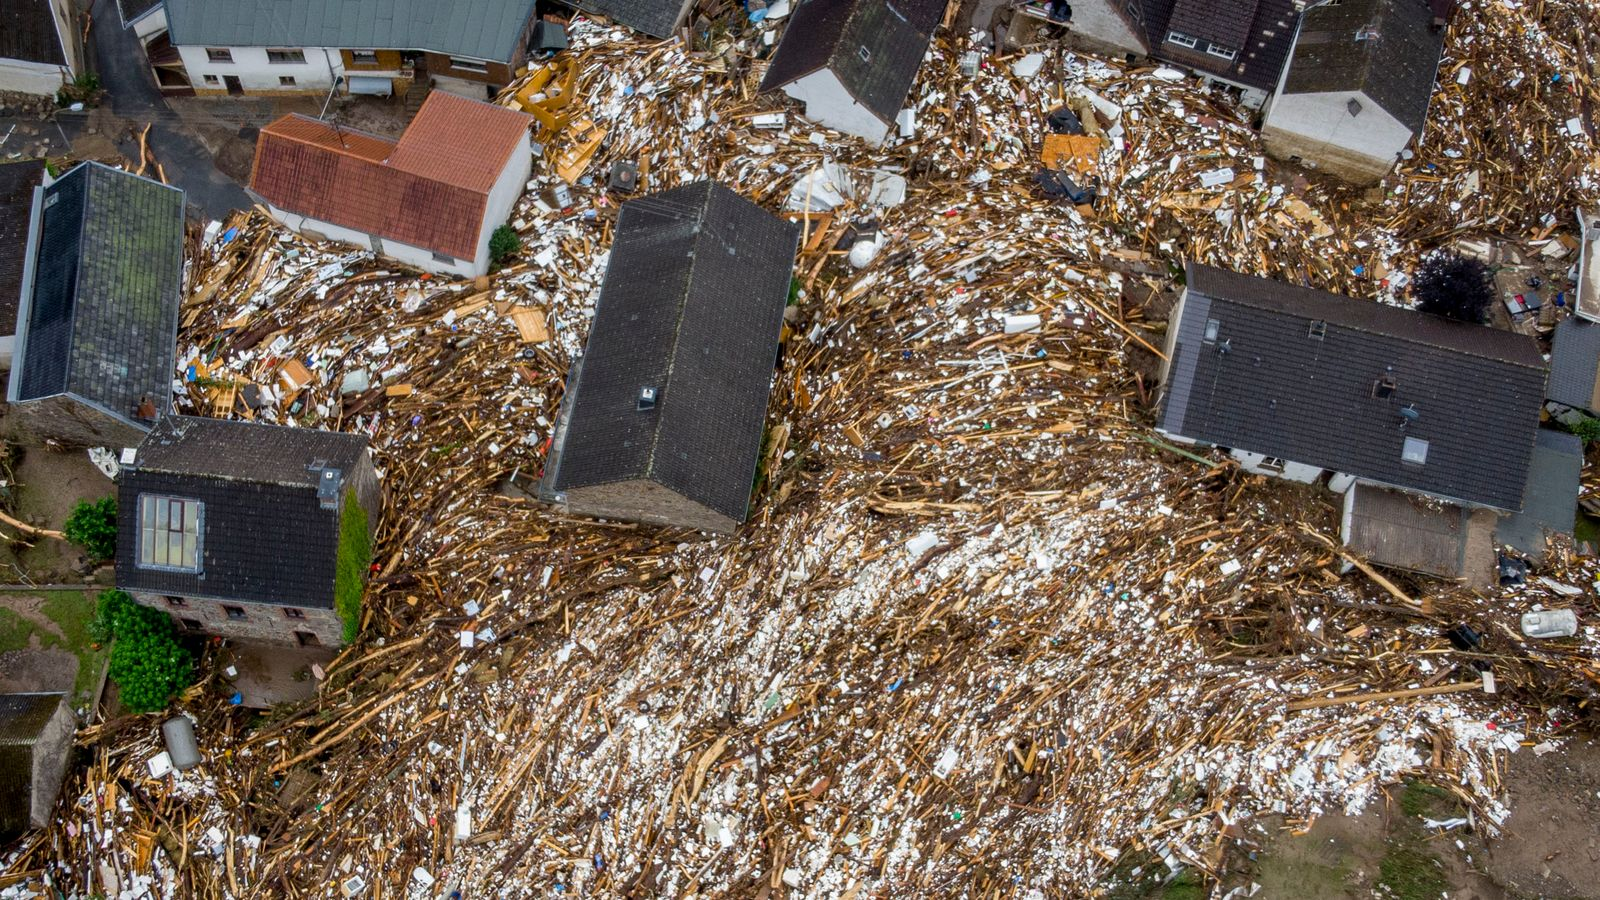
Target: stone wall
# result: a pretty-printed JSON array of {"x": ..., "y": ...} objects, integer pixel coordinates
[{"x": 267, "y": 623}]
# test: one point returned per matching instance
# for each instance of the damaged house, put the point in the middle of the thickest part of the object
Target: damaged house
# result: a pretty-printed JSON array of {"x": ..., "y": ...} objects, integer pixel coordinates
[
  {"x": 852, "y": 62},
  {"x": 98, "y": 313},
  {"x": 35, "y": 743},
  {"x": 249, "y": 531},
  {"x": 663, "y": 417},
  {"x": 1426, "y": 425}
]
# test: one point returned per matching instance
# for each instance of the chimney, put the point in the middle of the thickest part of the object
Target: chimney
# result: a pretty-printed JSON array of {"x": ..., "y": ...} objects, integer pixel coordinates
[{"x": 329, "y": 483}]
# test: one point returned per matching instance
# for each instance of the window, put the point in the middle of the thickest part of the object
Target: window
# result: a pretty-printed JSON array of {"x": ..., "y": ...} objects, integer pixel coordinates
[
  {"x": 175, "y": 601},
  {"x": 1354, "y": 106},
  {"x": 1182, "y": 40},
  {"x": 219, "y": 54},
  {"x": 441, "y": 258},
  {"x": 286, "y": 56},
  {"x": 286, "y": 80},
  {"x": 364, "y": 57},
  {"x": 1318, "y": 330},
  {"x": 293, "y": 613},
  {"x": 212, "y": 79},
  {"x": 468, "y": 65},
  {"x": 235, "y": 613},
  {"x": 169, "y": 533},
  {"x": 866, "y": 55},
  {"x": 1384, "y": 387},
  {"x": 1134, "y": 9},
  {"x": 1414, "y": 451},
  {"x": 192, "y": 625},
  {"x": 1219, "y": 50},
  {"x": 1273, "y": 464},
  {"x": 1213, "y": 328}
]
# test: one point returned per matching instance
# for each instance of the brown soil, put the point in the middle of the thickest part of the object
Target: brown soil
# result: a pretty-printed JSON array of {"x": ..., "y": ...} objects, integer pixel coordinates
[
  {"x": 51, "y": 669},
  {"x": 49, "y": 485},
  {"x": 1551, "y": 845}
]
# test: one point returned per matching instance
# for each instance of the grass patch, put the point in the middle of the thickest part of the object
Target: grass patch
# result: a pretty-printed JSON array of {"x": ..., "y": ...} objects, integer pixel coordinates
[
  {"x": 350, "y": 573},
  {"x": 71, "y": 612},
  {"x": 1420, "y": 798},
  {"x": 1186, "y": 886},
  {"x": 1586, "y": 529},
  {"x": 1408, "y": 873}
]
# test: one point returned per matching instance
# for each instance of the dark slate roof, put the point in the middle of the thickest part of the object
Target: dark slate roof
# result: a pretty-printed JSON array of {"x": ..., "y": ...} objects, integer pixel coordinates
[
  {"x": 480, "y": 29},
  {"x": 1396, "y": 68},
  {"x": 1280, "y": 391},
  {"x": 1264, "y": 43},
  {"x": 875, "y": 47},
  {"x": 1550, "y": 504},
  {"x": 17, "y": 181},
  {"x": 22, "y": 718},
  {"x": 101, "y": 318},
  {"x": 265, "y": 537},
  {"x": 1575, "y": 363},
  {"x": 28, "y": 32},
  {"x": 133, "y": 10},
  {"x": 657, "y": 18},
  {"x": 692, "y": 304}
]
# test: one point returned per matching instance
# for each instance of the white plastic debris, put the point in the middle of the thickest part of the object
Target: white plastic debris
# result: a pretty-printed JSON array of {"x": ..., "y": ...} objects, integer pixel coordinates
[
  {"x": 160, "y": 764},
  {"x": 1166, "y": 74},
  {"x": 1020, "y": 324},
  {"x": 106, "y": 461},
  {"x": 1230, "y": 567},
  {"x": 947, "y": 762},
  {"x": 922, "y": 543},
  {"x": 864, "y": 252},
  {"x": 1550, "y": 623},
  {"x": 422, "y": 877},
  {"x": 463, "y": 821},
  {"x": 1028, "y": 66},
  {"x": 1217, "y": 177}
]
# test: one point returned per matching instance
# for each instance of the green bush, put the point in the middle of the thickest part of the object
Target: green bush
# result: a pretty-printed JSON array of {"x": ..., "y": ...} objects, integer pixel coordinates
[
  {"x": 502, "y": 243},
  {"x": 1586, "y": 428},
  {"x": 148, "y": 664},
  {"x": 93, "y": 526},
  {"x": 355, "y": 555}
]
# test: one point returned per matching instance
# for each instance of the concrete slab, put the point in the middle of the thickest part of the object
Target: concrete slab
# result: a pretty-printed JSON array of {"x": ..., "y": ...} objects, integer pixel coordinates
[{"x": 268, "y": 675}]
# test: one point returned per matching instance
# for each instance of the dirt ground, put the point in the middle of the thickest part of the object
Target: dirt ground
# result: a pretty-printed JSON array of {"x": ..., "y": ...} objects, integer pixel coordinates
[
  {"x": 1549, "y": 848},
  {"x": 48, "y": 485}
]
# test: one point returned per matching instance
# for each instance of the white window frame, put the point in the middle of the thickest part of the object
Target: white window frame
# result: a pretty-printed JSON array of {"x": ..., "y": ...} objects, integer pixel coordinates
[
  {"x": 1227, "y": 53},
  {"x": 286, "y": 81},
  {"x": 219, "y": 55},
  {"x": 192, "y": 521},
  {"x": 356, "y": 57},
  {"x": 289, "y": 52},
  {"x": 469, "y": 65},
  {"x": 1182, "y": 40}
]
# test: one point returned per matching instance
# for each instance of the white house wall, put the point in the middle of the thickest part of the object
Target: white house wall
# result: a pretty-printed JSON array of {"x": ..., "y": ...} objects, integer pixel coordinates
[
  {"x": 502, "y": 198},
  {"x": 255, "y": 73},
  {"x": 830, "y": 105},
  {"x": 31, "y": 78},
  {"x": 1292, "y": 471},
  {"x": 1319, "y": 129},
  {"x": 1099, "y": 21},
  {"x": 151, "y": 23},
  {"x": 405, "y": 253}
]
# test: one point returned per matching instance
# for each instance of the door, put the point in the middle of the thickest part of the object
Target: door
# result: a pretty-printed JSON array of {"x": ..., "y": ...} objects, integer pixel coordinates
[
  {"x": 306, "y": 639},
  {"x": 234, "y": 85}
]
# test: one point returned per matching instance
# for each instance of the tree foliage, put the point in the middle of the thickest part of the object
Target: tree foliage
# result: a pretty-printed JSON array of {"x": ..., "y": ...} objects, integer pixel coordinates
[
  {"x": 1455, "y": 286},
  {"x": 1587, "y": 428},
  {"x": 350, "y": 573},
  {"x": 148, "y": 664},
  {"x": 502, "y": 243},
  {"x": 93, "y": 526}
]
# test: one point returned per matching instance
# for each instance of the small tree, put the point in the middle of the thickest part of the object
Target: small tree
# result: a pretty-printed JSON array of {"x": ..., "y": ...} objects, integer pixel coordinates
[
  {"x": 1587, "y": 428},
  {"x": 148, "y": 664},
  {"x": 1455, "y": 286},
  {"x": 502, "y": 243},
  {"x": 93, "y": 526},
  {"x": 350, "y": 570}
]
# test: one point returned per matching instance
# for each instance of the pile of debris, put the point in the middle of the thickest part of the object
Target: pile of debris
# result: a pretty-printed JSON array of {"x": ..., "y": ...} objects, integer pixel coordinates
[{"x": 983, "y": 632}]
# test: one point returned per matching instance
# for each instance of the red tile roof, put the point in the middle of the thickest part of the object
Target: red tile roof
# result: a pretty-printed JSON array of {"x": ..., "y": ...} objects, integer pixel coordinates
[{"x": 427, "y": 190}]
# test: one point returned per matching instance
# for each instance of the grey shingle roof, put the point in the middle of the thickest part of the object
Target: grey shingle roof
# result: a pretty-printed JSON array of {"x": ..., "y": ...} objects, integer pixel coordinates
[
  {"x": 692, "y": 304},
  {"x": 17, "y": 181},
  {"x": 265, "y": 537},
  {"x": 657, "y": 18},
  {"x": 1575, "y": 363},
  {"x": 480, "y": 29},
  {"x": 1396, "y": 68},
  {"x": 23, "y": 718},
  {"x": 875, "y": 47},
  {"x": 1265, "y": 44},
  {"x": 28, "y": 33},
  {"x": 101, "y": 318},
  {"x": 1550, "y": 503},
  {"x": 1267, "y": 385}
]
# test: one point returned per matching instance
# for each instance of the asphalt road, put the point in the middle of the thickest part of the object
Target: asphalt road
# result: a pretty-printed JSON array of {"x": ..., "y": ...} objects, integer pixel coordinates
[{"x": 126, "y": 76}]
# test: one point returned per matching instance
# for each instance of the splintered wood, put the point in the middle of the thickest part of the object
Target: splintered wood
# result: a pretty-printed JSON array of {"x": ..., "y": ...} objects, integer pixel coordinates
[{"x": 982, "y": 635}]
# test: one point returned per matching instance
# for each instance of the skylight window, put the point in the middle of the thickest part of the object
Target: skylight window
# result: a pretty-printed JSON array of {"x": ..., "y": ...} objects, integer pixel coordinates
[{"x": 1414, "y": 451}]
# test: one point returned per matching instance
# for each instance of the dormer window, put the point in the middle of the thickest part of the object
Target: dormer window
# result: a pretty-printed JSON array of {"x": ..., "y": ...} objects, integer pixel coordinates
[
  {"x": 866, "y": 55},
  {"x": 1182, "y": 40},
  {"x": 1384, "y": 388},
  {"x": 169, "y": 533},
  {"x": 1224, "y": 52}
]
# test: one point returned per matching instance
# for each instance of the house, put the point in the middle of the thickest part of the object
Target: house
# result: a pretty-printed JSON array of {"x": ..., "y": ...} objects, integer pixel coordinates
[
  {"x": 1550, "y": 501},
  {"x": 97, "y": 318},
  {"x": 40, "y": 48},
  {"x": 35, "y": 744},
  {"x": 431, "y": 199},
  {"x": 1575, "y": 371},
  {"x": 1356, "y": 88},
  {"x": 852, "y": 62},
  {"x": 363, "y": 46},
  {"x": 17, "y": 181},
  {"x": 247, "y": 530},
  {"x": 1298, "y": 383},
  {"x": 656, "y": 18},
  {"x": 663, "y": 417},
  {"x": 1240, "y": 43}
]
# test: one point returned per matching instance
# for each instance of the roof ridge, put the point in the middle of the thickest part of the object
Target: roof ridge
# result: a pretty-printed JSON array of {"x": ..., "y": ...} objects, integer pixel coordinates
[{"x": 702, "y": 212}]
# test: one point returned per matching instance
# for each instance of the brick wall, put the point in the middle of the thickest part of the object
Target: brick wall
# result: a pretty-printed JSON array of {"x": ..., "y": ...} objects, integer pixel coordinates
[
  {"x": 262, "y": 623},
  {"x": 497, "y": 74}
]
